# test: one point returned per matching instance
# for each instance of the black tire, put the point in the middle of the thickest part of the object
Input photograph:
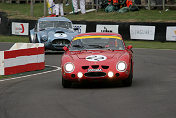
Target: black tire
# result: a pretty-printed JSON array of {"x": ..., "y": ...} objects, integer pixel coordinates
[
  {"x": 128, "y": 81},
  {"x": 36, "y": 39},
  {"x": 30, "y": 40},
  {"x": 66, "y": 83}
]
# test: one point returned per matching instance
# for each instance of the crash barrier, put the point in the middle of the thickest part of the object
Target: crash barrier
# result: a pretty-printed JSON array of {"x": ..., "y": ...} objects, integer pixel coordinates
[{"x": 22, "y": 57}]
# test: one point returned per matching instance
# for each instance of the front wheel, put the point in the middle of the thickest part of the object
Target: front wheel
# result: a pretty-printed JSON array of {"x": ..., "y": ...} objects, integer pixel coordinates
[
  {"x": 30, "y": 40},
  {"x": 36, "y": 39},
  {"x": 128, "y": 81},
  {"x": 66, "y": 83}
]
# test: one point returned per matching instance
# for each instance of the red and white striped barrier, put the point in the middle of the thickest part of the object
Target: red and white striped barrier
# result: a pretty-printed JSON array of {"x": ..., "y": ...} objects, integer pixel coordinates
[{"x": 22, "y": 57}]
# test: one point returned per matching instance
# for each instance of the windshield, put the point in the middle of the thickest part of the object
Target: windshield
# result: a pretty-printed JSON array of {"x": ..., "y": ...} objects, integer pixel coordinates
[
  {"x": 54, "y": 24},
  {"x": 97, "y": 44}
]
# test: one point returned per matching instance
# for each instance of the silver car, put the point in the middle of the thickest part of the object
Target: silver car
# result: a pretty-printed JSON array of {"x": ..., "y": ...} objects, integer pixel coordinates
[{"x": 54, "y": 32}]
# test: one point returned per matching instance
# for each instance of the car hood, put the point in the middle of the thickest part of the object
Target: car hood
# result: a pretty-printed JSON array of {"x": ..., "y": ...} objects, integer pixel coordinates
[
  {"x": 96, "y": 55},
  {"x": 58, "y": 33}
]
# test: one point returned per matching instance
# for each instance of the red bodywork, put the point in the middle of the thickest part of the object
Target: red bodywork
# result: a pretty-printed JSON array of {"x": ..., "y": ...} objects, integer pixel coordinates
[{"x": 78, "y": 58}]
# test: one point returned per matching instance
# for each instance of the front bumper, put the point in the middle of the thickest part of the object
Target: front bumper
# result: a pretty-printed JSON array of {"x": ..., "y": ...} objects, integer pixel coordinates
[
  {"x": 56, "y": 45},
  {"x": 95, "y": 77}
]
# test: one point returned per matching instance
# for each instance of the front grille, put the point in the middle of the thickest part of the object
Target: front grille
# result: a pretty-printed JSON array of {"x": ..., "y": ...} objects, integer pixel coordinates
[
  {"x": 95, "y": 66},
  {"x": 61, "y": 41},
  {"x": 59, "y": 32},
  {"x": 95, "y": 74},
  {"x": 85, "y": 67}
]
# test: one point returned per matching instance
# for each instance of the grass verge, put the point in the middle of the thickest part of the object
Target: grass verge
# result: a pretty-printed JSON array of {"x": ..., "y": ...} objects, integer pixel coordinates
[
  {"x": 22, "y": 11},
  {"x": 14, "y": 39}
]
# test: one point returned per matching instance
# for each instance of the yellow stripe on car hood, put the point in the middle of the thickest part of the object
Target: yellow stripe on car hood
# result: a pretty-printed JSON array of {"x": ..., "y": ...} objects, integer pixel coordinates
[{"x": 83, "y": 37}]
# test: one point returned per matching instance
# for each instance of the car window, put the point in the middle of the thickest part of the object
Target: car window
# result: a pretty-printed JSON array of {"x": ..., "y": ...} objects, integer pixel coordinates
[
  {"x": 45, "y": 24},
  {"x": 63, "y": 24},
  {"x": 54, "y": 24},
  {"x": 97, "y": 44}
]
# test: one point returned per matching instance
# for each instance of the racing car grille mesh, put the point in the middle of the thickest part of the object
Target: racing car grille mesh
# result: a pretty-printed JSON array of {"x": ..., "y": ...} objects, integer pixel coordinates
[
  {"x": 60, "y": 41},
  {"x": 95, "y": 74},
  {"x": 95, "y": 66}
]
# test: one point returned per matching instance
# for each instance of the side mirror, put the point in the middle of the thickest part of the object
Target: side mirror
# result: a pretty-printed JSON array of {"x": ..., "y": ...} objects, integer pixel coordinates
[
  {"x": 129, "y": 47},
  {"x": 65, "y": 48}
]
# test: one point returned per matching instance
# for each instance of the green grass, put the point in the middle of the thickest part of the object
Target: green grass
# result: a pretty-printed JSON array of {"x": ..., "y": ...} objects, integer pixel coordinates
[
  {"x": 22, "y": 11},
  {"x": 140, "y": 16},
  {"x": 14, "y": 39},
  {"x": 152, "y": 44},
  {"x": 4, "y": 76}
]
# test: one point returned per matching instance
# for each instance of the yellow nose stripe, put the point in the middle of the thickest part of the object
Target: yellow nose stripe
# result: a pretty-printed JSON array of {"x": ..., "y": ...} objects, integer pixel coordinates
[{"x": 84, "y": 37}]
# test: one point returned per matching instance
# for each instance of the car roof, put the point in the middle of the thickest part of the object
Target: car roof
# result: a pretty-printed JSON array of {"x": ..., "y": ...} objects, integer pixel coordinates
[{"x": 54, "y": 19}]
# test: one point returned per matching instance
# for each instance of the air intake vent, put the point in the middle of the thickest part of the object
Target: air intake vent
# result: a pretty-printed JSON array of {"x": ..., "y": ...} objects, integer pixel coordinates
[
  {"x": 95, "y": 66},
  {"x": 60, "y": 41},
  {"x": 95, "y": 74},
  {"x": 105, "y": 67},
  {"x": 60, "y": 32},
  {"x": 85, "y": 67}
]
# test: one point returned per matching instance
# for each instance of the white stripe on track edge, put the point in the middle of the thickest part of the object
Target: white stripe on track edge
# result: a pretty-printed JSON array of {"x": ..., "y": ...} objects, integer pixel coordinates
[{"x": 58, "y": 68}]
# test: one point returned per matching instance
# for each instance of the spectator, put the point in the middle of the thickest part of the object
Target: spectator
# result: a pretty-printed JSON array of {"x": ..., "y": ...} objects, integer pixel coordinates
[
  {"x": 143, "y": 2},
  {"x": 66, "y": 3},
  {"x": 50, "y": 6},
  {"x": 58, "y": 7},
  {"x": 82, "y": 6}
]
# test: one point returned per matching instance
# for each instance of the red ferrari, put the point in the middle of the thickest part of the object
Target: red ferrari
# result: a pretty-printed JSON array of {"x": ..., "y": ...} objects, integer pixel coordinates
[{"x": 97, "y": 56}]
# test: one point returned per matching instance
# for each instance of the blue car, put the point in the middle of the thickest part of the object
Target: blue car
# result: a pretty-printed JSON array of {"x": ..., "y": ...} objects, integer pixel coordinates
[{"x": 54, "y": 32}]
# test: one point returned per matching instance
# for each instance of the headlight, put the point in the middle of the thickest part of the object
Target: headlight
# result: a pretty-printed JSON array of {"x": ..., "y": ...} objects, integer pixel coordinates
[
  {"x": 69, "y": 67},
  {"x": 121, "y": 66},
  {"x": 110, "y": 74},
  {"x": 44, "y": 38},
  {"x": 80, "y": 74}
]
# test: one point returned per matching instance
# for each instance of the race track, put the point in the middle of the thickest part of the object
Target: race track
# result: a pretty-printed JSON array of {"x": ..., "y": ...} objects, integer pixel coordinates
[{"x": 152, "y": 94}]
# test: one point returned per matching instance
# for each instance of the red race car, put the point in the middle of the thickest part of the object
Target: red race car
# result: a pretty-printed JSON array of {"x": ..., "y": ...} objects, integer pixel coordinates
[{"x": 97, "y": 56}]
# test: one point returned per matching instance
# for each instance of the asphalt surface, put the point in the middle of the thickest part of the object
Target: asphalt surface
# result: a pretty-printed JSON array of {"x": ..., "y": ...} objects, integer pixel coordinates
[{"x": 152, "y": 94}]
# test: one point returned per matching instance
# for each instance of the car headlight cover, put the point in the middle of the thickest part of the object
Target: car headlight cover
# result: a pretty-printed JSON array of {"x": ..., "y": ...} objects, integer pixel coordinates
[
  {"x": 69, "y": 67},
  {"x": 121, "y": 66},
  {"x": 44, "y": 38},
  {"x": 80, "y": 74},
  {"x": 110, "y": 74}
]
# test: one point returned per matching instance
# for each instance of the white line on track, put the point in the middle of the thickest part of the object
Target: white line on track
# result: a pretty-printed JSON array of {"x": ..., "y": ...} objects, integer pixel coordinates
[{"x": 57, "y": 68}]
